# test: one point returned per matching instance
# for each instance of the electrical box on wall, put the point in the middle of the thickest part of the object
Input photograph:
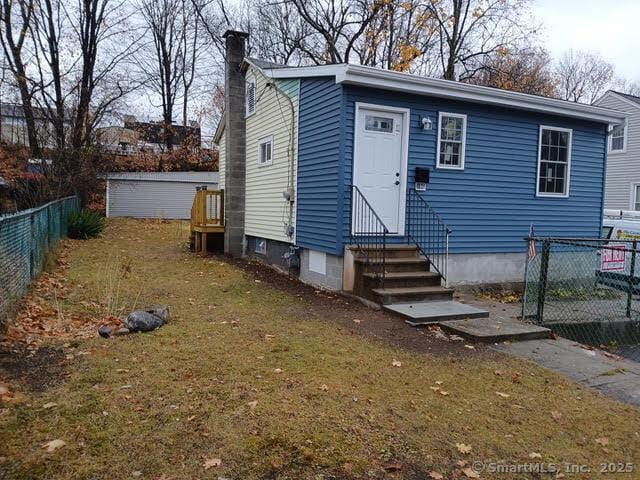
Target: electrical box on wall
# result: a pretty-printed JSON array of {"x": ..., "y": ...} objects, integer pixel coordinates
[{"x": 421, "y": 178}]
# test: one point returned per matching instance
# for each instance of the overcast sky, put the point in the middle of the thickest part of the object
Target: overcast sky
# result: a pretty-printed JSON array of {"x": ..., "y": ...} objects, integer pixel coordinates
[{"x": 609, "y": 27}]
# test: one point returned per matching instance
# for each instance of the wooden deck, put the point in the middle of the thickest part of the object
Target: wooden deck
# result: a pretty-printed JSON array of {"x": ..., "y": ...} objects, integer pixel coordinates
[{"x": 207, "y": 217}]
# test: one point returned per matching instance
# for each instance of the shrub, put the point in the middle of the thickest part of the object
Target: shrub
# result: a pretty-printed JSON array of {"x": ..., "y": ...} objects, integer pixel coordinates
[{"x": 85, "y": 224}]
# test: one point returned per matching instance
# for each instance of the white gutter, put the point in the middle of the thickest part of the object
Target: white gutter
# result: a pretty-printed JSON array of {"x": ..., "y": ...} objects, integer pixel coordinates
[{"x": 404, "y": 82}]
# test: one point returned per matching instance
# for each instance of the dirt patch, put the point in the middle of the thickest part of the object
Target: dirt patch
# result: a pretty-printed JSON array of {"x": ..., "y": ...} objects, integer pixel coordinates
[
  {"x": 355, "y": 317},
  {"x": 34, "y": 370}
]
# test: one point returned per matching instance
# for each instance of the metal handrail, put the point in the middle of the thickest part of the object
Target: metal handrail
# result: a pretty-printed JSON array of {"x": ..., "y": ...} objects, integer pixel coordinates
[
  {"x": 368, "y": 234},
  {"x": 427, "y": 230}
]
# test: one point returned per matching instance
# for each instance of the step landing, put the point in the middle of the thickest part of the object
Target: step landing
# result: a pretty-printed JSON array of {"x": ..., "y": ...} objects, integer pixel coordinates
[
  {"x": 430, "y": 312},
  {"x": 490, "y": 330}
]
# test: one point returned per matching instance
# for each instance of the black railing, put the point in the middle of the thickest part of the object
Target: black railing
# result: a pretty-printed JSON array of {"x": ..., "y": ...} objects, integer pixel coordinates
[
  {"x": 428, "y": 231},
  {"x": 368, "y": 234}
]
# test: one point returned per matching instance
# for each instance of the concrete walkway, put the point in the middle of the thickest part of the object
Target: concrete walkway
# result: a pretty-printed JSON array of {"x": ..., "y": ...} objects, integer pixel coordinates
[
  {"x": 609, "y": 374},
  {"x": 613, "y": 376}
]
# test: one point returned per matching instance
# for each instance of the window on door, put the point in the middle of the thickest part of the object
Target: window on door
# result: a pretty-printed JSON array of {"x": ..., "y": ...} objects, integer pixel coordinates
[
  {"x": 452, "y": 132},
  {"x": 636, "y": 197},
  {"x": 554, "y": 162},
  {"x": 616, "y": 138}
]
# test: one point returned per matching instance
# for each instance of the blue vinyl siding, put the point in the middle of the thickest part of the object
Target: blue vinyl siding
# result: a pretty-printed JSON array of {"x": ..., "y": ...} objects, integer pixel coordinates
[
  {"x": 492, "y": 202},
  {"x": 320, "y": 178},
  {"x": 489, "y": 205}
]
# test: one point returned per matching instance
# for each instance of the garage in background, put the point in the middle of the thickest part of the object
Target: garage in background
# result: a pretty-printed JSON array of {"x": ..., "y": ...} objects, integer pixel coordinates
[{"x": 166, "y": 195}]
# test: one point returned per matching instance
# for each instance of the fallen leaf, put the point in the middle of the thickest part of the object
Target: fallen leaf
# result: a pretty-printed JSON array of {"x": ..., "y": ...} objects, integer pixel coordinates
[
  {"x": 392, "y": 466},
  {"x": 54, "y": 445},
  {"x": 324, "y": 387},
  {"x": 498, "y": 372},
  {"x": 212, "y": 463},
  {"x": 435, "y": 475},
  {"x": 442, "y": 392},
  {"x": 556, "y": 415},
  {"x": 396, "y": 363},
  {"x": 535, "y": 455},
  {"x": 470, "y": 347},
  {"x": 278, "y": 370},
  {"x": 253, "y": 404},
  {"x": 462, "y": 448},
  {"x": 435, "y": 389},
  {"x": 469, "y": 473},
  {"x": 49, "y": 405},
  {"x": 137, "y": 473},
  {"x": 503, "y": 395},
  {"x": 357, "y": 321},
  {"x": 604, "y": 441}
]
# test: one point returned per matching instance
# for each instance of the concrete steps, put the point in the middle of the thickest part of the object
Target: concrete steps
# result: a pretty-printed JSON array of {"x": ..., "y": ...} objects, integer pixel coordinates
[
  {"x": 432, "y": 312},
  {"x": 388, "y": 295}
]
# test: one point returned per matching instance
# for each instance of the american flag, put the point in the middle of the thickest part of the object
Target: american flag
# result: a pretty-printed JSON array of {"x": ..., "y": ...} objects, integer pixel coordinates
[{"x": 532, "y": 244}]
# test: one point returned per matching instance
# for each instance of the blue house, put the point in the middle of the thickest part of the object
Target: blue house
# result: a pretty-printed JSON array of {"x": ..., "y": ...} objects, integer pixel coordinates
[{"x": 395, "y": 185}]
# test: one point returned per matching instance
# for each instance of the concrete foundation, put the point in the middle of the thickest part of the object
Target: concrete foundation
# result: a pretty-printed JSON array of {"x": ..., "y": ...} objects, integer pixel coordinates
[
  {"x": 485, "y": 268},
  {"x": 276, "y": 254},
  {"x": 322, "y": 269}
]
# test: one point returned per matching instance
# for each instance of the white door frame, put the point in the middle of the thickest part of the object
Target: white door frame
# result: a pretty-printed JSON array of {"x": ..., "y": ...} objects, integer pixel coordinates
[{"x": 404, "y": 160}]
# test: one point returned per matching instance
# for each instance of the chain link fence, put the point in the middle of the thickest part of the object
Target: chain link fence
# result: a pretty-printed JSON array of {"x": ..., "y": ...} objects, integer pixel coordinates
[
  {"x": 25, "y": 239},
  {"x": 587, "y": 290}
]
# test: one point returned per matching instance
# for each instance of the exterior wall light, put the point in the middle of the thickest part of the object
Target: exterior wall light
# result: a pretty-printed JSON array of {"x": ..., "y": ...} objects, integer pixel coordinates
[{"x": 426, "y": 123}]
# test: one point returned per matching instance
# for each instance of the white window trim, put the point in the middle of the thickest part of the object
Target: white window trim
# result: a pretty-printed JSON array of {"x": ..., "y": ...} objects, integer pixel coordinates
[
  {"x": 634, "y": 199},
  {"x": 463, "y": 145},
  {"x": 251, "y": 81},
  {"x": 624, "y": 140},
  {"x": 262, "y": 141},
  {"x": 568, "y": 184}
]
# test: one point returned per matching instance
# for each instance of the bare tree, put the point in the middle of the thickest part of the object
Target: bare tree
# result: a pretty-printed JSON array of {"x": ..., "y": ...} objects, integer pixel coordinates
[
  {"x": 165, "y": 74},
  {"x": 583, "y": 76},
  {"x": 525, "y": 70},
  {"x": 470, "y": 31},
  {"x": 16, "y": 17}
]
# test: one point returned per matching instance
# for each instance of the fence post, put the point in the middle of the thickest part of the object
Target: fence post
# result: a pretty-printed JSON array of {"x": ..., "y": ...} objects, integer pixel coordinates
[
  {"x": 632, "y": 272},
  {"x": 542, "y": 285}
]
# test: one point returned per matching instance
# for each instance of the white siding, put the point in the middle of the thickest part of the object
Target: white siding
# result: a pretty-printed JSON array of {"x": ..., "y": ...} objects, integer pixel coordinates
[
  {"x": 222, "y": 149},
  {"x": 623, "y": 169},
  {"x": 266, "y": 211},
  {"x": 155, "y": 198}
]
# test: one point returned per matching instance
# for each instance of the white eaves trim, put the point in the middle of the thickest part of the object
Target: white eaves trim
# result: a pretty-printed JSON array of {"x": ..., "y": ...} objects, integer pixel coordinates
[
  {"x": 403, "y": 82},
  {"x": 616, "y": 95}
]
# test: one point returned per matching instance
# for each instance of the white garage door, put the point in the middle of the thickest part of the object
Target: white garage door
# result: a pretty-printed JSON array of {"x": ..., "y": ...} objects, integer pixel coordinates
[{"x": 140, "y": 198}]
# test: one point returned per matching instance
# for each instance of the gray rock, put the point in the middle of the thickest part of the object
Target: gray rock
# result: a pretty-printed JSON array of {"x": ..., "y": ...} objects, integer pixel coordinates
[
  {"x": 105, "y": 331},
  {"x": 147, "y": 320},
  {"x": 121, "y": 331}
]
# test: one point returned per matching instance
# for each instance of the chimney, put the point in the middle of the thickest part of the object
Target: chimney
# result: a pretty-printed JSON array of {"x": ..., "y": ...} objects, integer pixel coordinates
[{"x": 235, "y": 128}]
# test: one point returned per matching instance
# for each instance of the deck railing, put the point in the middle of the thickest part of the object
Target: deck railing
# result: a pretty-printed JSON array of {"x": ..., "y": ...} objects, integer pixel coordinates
[{"x": 208, "y": 208}]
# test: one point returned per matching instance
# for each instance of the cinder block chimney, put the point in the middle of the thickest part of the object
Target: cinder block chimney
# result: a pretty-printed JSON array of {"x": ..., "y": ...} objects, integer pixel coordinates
[{"x": 235, "y": 128}]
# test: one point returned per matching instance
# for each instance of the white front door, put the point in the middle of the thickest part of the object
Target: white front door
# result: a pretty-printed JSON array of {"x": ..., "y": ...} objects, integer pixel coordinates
[{"x": 379, "y": 169}]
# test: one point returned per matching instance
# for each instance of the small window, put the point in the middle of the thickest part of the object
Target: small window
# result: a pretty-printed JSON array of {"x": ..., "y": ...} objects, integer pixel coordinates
[
  {"x": 636, "y": 197},
  {"x": 265, "y": 151},
  {"x": 251, "y": 97},
  {"x": 606, "y": 232},
  {"x": 554, "y": 161},
  {"x": 617, "y": 138},
  {"x": 378, "y": 124},
  {"x": 452, "y": 133},
  {"x": 261, "y": 246}
]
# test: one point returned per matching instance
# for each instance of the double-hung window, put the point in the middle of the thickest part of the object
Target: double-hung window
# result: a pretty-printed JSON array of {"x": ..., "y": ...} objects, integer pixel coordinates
[
  {"x": 452, "y": 132},
  {"x": 554, "y": 162},
  {"x": 265, "y": 151},
  {"x": 617, "y": 142},
  {"x": 636, "y": 197}
]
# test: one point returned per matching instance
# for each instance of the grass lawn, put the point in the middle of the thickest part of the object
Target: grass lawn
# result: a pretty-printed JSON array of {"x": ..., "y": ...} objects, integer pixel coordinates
[{"x": 251, "y": 380}]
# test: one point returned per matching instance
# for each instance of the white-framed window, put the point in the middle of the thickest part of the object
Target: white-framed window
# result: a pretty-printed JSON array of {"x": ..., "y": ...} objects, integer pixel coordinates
[
  {"x": 618, "y": 139},
  {"x": 452, "y": 137},
  {"x": 554, "y": 162},
  {"x": 636, "y": 197},
  {"x": 265, "y": 151},
  {"x": 250, "y": 97}
]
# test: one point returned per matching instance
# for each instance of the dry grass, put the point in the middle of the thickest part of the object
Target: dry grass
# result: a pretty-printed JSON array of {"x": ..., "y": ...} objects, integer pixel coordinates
[{"x": 236, "y": 376}]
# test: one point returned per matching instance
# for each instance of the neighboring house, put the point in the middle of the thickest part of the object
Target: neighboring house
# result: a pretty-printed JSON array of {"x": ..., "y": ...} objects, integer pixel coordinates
[
  {"x": 622, "y": 191},
  {"x": 309, "y": 155},
  {"x": 152, "y": 135},
  {"x": 118, "y": 140},
  {"x": 13, "y": 126}
]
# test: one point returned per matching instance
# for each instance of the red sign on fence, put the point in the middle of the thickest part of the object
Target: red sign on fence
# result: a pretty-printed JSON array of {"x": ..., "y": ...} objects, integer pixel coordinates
[{"x": 613, "y": 259}]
